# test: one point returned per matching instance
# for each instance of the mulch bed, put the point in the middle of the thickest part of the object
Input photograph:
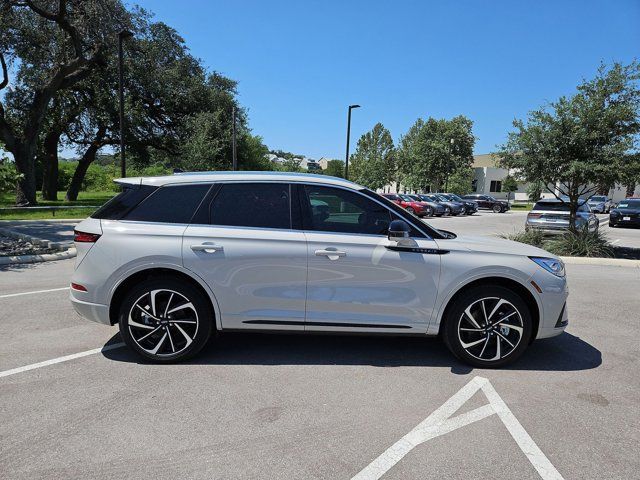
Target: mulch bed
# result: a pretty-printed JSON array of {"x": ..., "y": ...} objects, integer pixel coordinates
[{"x": 10, "y": 247}]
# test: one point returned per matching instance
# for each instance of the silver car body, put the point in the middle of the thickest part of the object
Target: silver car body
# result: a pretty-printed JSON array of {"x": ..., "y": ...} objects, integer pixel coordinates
[
  {"x": 552, "y": 216},
  {"x": 274, "y": 279},
  {"x": 600, "y": 204}
]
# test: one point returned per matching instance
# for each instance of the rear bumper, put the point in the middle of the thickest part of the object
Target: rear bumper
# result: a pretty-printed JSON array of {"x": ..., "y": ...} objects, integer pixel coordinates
[{"x": 91, "y": 311}]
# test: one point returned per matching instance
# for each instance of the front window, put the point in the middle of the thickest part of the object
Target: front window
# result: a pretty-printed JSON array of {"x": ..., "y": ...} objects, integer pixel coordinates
[{"x": 342, "y": 211}]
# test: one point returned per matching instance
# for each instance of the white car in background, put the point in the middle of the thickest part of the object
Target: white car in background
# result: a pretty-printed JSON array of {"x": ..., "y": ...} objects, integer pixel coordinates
[{"x": 174, "y": 259}]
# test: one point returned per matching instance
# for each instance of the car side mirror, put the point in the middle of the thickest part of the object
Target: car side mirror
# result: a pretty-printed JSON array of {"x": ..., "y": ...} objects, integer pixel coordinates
[{"x": 398, "y": 229}]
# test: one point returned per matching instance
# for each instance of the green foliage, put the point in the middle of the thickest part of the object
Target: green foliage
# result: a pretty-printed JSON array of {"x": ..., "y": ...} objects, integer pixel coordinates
[
  {"x": 579, "y": 143},
  {"x": 434, "y": 150},
  {"x": 460, "y": 181},
  {"x": 8, "y": 175},
  {"x": 534, "y": 190},
  {"x": 335, "y": 168},
  {"x": 290, "y": 165},
  {"x": 509, "y": 185},
  {"x": 373, "y": 163},
  {"x": 580, "y": 243}
]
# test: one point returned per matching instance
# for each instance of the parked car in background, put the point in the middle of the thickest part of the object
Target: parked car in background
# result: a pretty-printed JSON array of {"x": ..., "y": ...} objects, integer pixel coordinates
[
  {"x": 450, "y": 208},
  {"x": 436, "y": 209},
  {"x": 172, "y": 260},
  {"x": 414, "y": 206},
  {"x": 470, "y": 206},
  {"x": 487, "y": 202},
  {"x": 392, "y": 197},
  {"x": 625, "y": 213},
  {"x": 600, "y": 204},
  {"x": 457, "y": 208},
  {"x": 552, "y": 216}
]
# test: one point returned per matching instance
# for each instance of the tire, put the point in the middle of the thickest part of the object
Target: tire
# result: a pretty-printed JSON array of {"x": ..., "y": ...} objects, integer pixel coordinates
[
  {"x": 497, "y": 209},
  {"x": 611, "y": 224},
  {"x": 411, "y": 210},
  {"x": 497, "y": 345},
  {"x": 180, "y": 333},
  {"x": 447, "y": 212}
]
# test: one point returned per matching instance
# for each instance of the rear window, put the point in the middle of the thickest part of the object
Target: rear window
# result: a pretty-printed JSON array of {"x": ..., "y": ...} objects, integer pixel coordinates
[
  {"x": 259, "y": 205},
  {"x": 170, "y": 204},
  {"x": 121, "y": 204},
  {"x": 558, "y": 207}
]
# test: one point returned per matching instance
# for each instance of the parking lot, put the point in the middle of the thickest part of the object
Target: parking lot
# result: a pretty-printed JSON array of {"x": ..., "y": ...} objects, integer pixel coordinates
[{"x": 297, "y": 406}]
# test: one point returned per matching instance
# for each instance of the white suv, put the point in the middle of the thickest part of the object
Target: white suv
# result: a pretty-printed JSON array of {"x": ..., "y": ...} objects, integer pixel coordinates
[{"x": 175, "y": 259}]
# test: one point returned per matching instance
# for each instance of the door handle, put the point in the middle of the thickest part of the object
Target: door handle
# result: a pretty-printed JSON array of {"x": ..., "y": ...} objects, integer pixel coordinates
[
  {"x": 207, "y": 248},
  {"x": 330, "y": 254}
]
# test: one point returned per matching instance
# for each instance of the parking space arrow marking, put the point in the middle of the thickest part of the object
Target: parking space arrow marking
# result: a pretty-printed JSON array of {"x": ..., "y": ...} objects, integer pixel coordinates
[{"x": 440, "y": 423}]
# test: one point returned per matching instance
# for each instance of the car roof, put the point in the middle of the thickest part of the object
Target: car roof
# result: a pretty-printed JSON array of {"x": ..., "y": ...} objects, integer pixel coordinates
[{"x": 224, "y": 176}]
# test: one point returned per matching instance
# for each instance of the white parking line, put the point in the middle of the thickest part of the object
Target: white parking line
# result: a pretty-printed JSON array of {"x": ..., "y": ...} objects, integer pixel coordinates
[
  {"x": 441, "y": 423},
  {"x": 66, "y": 358},
  {"x": 36, "y": 291}
]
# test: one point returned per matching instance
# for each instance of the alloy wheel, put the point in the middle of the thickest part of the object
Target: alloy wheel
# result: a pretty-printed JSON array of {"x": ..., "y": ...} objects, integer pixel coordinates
[
  {"x": 490, "y": 329},
  {"x": 163, "y": 322}
]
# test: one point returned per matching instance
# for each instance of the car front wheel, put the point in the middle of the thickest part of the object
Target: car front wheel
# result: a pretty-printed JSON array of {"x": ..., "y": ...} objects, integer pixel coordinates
[
  {"x": 165, "y": 320},
  {"x": 488, "y": 327},
  {"x": 497, "y": 209}
]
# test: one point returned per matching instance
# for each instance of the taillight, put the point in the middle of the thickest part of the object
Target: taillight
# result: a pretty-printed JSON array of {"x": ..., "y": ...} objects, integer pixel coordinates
[
  {"x": 84, "y": 237},
  {"x": 534, "y": 215},
  {"x": 78, "y": 287}
]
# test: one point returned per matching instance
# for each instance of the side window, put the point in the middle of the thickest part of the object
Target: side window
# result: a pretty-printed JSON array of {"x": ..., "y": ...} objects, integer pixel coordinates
[
  {"x": 118, "y": 206},
  {"x": 259, "y": 205},
  {"x": 170, "y": 204},
  {"x": 342, "y": 211}
]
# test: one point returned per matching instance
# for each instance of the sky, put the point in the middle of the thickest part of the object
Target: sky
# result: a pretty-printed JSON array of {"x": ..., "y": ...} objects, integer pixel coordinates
[{"x": 300, "y": 63}]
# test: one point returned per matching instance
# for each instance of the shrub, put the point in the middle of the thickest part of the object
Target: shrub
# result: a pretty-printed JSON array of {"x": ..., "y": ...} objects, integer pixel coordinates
[
  {"x": 8, "y": 176},
  {"x": 531, "y": 237},
  {"x": 581, "y": 243}
]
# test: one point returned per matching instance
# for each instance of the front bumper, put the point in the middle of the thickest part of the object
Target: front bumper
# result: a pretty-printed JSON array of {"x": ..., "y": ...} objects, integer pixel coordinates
[
  {"x": 91, "y": 311},
  {"x": 554, "y": 316},
  {"x": 618, "y": 220}
]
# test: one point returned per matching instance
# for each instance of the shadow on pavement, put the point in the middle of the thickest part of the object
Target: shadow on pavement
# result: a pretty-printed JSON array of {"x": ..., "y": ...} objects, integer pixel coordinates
[{"x": 563, "y": 353}]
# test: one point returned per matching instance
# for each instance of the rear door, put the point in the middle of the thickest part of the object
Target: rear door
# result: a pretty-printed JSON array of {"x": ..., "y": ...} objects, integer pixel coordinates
[
  {"x": 358, "y": 280},
  {"x": 244, "y": 247}
]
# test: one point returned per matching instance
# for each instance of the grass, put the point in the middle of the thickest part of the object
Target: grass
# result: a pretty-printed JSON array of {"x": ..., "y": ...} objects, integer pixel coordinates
[
  {"x": 522, "y": 206},
  {"x": 93, "y": 199}
]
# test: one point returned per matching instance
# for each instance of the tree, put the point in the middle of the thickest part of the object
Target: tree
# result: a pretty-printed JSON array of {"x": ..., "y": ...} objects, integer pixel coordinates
[
  {"x": 434, "y": 150},
  {"x": 291, "y": 165},
  {"x": 8, "y": 174},
  {"x": 579, "y": 143},
  {"x": 534, "y": 190},
  {"x": 461, "y": 181},
  {"x": 373, "y": 163},
  {"x": 509, "y": 185},
  {"x": 335, "y": 168},
  {"x": 54, "y": 45}
]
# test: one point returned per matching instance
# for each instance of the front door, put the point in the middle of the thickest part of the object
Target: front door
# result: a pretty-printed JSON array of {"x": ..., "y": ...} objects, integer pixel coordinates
[
  {"x": 252, "y": 259},
  {"x": 357, "y": 279}
]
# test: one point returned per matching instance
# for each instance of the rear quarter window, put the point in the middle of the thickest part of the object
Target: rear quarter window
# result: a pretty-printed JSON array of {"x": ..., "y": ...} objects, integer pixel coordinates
[
  {"x": 124, "y": 202},
  {"x": 170, "y": 204}
]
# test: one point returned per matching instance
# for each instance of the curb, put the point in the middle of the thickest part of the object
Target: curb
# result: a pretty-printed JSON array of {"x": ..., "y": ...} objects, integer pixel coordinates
[
  {"x": 46, "y": 257},
  {"x": 34, "y": 240},
  {"x": 605, "y": 262},
  {"x": 40, "y": 220}
]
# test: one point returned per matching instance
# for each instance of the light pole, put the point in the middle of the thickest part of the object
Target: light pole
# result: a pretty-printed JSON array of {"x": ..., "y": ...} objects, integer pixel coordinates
[
  {"x": 234, "y": 154},
  {"x": 121, "y": 36},
  {"x": 446, "y": 180},
  {"x": 346, "y": 160}
]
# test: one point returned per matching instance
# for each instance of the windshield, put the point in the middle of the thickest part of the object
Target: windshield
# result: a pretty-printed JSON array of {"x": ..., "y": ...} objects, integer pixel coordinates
[
  {"x": 598, "y": 199},
  {"x": 456, "y": 197},
  {"x": 406, "y": 198},
  {"x": 446, "y": 196},
  {"x": 442, "y": 198},
  {"x": 429, "y": 198},
  {"x": 629, "y": 204},
  {"x": 391, "y": 196}
]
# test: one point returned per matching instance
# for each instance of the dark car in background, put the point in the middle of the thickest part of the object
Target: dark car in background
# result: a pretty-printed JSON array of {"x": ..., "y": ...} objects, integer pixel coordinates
[
  {"x": 470, "y": 206},
  {"x": 487, "y": 202},
  {"x": 625, "y": 213},
  {"x": 436, "y": 209},
  {"x": 451, "y": 208},
  {"x": 552, "y": 216}
]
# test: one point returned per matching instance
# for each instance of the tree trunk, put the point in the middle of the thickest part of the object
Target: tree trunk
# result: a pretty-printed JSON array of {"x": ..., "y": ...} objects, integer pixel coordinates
[
  {"x": 50, "y": 166},
  {"x": 81, "y": 170},
  {"x": 24, "y": 155}
]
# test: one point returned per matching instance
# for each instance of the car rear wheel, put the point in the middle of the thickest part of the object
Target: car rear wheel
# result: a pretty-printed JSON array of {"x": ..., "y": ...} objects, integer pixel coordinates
[
  {"x": 497, "y": 208},
  {"x": 411, "y": 210},
  {"x": 165, "y": 320},
  {"x": 488, "y": 327}
]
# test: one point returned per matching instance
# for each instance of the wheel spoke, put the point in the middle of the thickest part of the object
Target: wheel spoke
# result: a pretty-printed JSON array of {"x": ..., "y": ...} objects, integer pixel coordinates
[
  {"x": 484, "y": 312},
  {"x": 146, "y": 312},
  {"x": 515, "y": 327},
  {"x": 173, "y": 348},
  {"x": 472, "y": 329},
  {"x": 470, "y": 317},
  {"x": 498, "y": 305},
  {"x": 133, "y": 323},
  {"x": 469, "y": 345},
  {"x": 153, "y": 301},
  {"x": 505, "y": 339},
  {"x": 150, "y": 333},
  {"x": 498, "y": 352},
  {"x": 168, "y": 303},
  {"x": 187, "y": 337},
  {"x": 486, "y": 342},
  {"x": 497, "y": 322},
  {"x": 193, "y": 322},
  {"x": 155, "y": 350},
  {"x": 181, "y": 307}
]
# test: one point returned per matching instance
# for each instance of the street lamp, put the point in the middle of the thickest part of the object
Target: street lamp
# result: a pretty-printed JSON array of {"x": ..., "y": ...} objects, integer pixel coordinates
[
  {"x": 448, "y": 169},
  {"x": 346, "y": 162},
  {"x": 121, "y": 36}
]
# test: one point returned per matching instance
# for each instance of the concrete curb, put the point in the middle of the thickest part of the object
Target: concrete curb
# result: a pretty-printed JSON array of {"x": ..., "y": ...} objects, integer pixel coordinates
[
  {"x": 46, "y": 257},
  {"x": 605, "y": 262},
  {"x": 34, "y": 240}
]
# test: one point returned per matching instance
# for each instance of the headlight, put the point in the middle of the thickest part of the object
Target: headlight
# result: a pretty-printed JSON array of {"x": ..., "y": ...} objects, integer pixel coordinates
[{"x": 551, "y": 265}]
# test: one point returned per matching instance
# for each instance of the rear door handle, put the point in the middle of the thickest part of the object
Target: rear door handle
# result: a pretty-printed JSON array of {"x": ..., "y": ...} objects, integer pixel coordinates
[
  {"x": 330, "y": 254},
  {"x": 207, "y": 248}
]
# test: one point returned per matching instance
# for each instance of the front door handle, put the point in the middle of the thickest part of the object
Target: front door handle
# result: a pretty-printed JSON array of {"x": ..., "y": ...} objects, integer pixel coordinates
[
  {"x": 330, "y": 254},
  {"x": 207, "y": 248}
]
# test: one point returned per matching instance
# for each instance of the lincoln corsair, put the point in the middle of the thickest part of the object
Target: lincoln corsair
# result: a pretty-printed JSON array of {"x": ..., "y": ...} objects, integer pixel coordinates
[{"x": 176, "y": 260}]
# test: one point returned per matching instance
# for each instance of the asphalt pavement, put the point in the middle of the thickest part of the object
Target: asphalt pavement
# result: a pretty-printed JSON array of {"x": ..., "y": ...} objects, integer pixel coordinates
[{"x": 326, "y": 407}]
